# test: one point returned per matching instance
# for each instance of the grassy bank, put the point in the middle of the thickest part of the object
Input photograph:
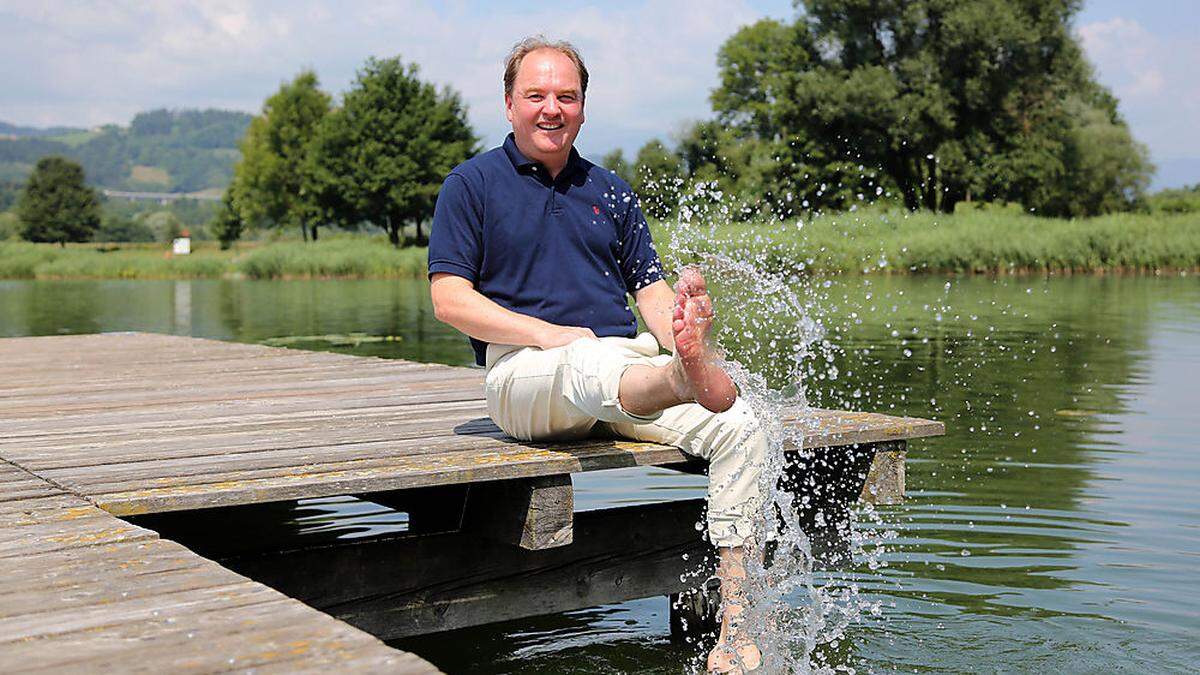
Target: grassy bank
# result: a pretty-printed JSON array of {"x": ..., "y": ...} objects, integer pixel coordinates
[
  {"x": 346, "y": 258},
  {"x": 872, "y": 242},
  {"x": 988, "y": 241}
]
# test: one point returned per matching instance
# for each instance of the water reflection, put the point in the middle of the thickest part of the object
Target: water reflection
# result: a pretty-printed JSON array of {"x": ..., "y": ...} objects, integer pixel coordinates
[{"x": 1053, "y": 527}]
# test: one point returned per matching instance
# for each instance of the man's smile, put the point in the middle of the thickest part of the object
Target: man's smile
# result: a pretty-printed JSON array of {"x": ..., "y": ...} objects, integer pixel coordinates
[{"x": 550, "y": 126}]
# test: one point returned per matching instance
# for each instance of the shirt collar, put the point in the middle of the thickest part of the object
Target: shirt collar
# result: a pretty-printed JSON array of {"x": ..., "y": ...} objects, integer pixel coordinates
[{"x": 520, "y": 161}]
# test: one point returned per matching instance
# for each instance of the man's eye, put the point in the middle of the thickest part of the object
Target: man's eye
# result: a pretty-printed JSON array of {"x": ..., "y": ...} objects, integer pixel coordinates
[{"x": 535, "y": 97}]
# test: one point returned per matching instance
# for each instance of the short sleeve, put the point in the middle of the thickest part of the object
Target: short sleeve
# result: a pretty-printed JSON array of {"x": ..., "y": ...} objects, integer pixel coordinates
[
  {"x": 640, "y": 265},
  {"x": 455, "y": 238}
]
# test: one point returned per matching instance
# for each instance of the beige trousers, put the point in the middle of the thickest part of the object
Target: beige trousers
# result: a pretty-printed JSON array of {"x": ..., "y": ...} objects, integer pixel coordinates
[{"x": 571, "y": 392}]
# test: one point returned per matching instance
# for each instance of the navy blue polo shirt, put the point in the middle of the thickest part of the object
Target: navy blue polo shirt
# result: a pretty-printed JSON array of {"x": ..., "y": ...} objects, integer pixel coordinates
[{"x": 565, "y": 250}]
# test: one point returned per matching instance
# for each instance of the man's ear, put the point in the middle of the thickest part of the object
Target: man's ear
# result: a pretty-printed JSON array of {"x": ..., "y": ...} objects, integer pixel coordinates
[{"x": 508, "y": 107}]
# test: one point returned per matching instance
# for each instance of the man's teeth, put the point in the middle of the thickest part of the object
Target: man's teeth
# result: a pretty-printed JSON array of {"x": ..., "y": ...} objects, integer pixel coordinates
[{"x": 550, "y": 127}]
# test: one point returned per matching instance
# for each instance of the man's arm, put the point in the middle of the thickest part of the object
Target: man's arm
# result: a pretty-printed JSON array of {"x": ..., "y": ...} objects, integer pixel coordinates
[
  {"x": 656, "y": 303},
  {"x": 456, "y": 302}
]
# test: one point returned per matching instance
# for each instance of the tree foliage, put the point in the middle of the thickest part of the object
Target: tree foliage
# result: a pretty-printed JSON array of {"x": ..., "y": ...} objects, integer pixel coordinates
[
  {"x": 657, "y": 175},
  {"x": 57, "y": 205},
  {"x": 382, "y": 156},
  {"x": 268, "y": 183},
  {"x": 615, "y": 161},
  {"x": 115, "y": 228},
  {"x": 227, "y": 224},
  {"x": 937, "y": 101}
]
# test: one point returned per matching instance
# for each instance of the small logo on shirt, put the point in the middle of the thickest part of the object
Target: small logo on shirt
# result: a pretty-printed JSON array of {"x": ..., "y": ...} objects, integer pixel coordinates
[{"x": 596, "y": 210}]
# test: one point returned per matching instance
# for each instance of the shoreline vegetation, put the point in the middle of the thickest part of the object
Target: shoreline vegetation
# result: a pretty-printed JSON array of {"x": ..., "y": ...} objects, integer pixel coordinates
[{"x": 984, "y": 241}]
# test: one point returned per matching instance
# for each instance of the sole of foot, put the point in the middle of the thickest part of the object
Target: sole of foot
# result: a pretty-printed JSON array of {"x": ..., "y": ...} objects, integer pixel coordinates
[{"x": 691, "y": 324}]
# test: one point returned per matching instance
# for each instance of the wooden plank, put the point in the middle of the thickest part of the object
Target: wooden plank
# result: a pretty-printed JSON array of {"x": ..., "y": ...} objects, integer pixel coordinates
[
  {"x": 90, "y": 566},
  {"x": 153, "y": 413},
  {"x": 93, "y": 530},
  {"x": 298, "y": 367},
  {"x": 454, "y": 419},
  {"x": 117, "y": 398},
  {"x": 154, "y": 606},
  {"x": 201, "y": 419},
  {"x": 267, "y": 637},
  {"x": 499, "y": 462},
  {"x": 202, "y": 632}
]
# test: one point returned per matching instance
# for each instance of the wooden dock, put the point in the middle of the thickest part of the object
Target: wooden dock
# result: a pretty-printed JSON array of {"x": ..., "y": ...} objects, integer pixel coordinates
[{"x": 99, "y": 426}]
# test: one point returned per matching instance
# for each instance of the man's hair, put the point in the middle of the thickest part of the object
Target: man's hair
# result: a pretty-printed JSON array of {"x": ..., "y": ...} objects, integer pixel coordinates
[{"x": 534, "y": 43}]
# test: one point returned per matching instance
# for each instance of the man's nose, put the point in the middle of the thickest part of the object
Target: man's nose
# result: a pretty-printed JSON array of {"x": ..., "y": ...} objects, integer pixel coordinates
[{"x": 551, "y": 107}]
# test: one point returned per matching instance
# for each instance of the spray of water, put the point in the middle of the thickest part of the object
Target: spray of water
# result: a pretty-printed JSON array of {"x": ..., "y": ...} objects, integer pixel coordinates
[{"x": 771, "y": 328}]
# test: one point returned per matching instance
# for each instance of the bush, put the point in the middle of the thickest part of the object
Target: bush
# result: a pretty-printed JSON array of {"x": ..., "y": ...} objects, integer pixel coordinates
[
  {"x": 10, "y": 226},
  {"x": 164, "y": 224},
  {"x": 981, "y": 240},
  {"x": 346, "y": 257},
  {"x": 117, "y": 229},
  {"x": 1182, "y": 200}
]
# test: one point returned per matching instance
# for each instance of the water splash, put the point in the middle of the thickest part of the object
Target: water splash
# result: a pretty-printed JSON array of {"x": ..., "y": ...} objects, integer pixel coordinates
[{"x": 772, "y": 329}]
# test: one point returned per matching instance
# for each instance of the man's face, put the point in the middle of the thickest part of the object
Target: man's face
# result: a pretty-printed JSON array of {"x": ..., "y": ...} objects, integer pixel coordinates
[{"x": 546, "y": 106}]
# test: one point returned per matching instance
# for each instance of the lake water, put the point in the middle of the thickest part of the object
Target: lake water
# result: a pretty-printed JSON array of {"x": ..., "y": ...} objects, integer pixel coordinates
[{"x": 1055, "y": 527}]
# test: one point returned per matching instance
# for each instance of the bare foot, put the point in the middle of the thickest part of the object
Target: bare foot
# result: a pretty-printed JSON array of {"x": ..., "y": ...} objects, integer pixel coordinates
[
  {"x": 700, "y": 378},
  {"x": 735, "y": 651},
  {"x": 742, "y": 657}
]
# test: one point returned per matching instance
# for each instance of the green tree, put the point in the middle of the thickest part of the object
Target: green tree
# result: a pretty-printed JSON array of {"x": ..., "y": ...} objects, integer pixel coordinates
[
  {"x": 1106, "y": 169},
  {"x": 268, "y": 184},
  {"x": 57, "y": 205},
  {"x": 10, "y": 226},
  {"x": 657, "y": 178},
  {"x": 615, "y": 162},
  {"x": 116, "y": 228},
  {"x": 227, "y": 222},
  {"x": 949, "y": 100},
  {"x": 164, "y": 224},
  {"x": 382, "y": 156}
]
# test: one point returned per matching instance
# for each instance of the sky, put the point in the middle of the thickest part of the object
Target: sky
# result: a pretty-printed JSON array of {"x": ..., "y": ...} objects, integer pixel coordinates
[{"x": 652, "y": 62}]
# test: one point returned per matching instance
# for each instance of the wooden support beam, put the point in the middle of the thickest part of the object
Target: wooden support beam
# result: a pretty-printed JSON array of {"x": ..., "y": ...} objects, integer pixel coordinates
[
  {"x": 532, "y": 513},
  {"x": 885, "y": 479},
  {"x": 408, "y": 586}
]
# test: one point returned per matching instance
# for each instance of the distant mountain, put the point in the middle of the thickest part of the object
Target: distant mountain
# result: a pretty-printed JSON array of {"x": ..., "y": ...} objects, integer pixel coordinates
[
  {"x": 161, "y": 150},
  {"x": 7, "y": 129}
]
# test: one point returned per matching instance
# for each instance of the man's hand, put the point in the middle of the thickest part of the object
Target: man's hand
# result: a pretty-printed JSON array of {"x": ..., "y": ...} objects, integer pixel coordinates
[{"x": 559, "y": 336}]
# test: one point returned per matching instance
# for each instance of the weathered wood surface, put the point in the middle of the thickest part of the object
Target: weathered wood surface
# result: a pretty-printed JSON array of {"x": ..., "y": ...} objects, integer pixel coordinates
[
  {"x": 144, "y": 423},
  {"x": 81, "y": 590}
]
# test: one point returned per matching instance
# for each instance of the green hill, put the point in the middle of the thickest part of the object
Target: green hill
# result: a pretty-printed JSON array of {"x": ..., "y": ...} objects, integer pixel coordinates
[{"x": 161, "y": 150}]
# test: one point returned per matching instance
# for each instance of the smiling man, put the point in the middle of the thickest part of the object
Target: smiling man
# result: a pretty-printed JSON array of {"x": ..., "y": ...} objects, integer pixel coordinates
[{"x": 533, "y": 253}]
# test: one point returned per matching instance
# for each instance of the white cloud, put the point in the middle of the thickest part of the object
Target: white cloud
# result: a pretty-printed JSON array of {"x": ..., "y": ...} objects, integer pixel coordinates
[
  {"x": 1154, "y": 76},
  {"x": 653, "y": 63}
]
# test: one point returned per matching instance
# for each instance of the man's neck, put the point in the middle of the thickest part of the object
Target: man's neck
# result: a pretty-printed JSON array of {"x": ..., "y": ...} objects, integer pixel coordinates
[{"x": 554, "y": 165}]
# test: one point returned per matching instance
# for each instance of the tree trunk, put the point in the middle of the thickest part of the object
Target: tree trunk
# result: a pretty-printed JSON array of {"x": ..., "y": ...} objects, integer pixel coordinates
[
  {"x": 304, "y": 232},
  {"x": 420, "y": 239},
  {"x": 393, "y": 230},
  {"x": 314, "y": 232},
  {"x": 932, "y": 185},
  {"x": 900, "y": 171}
]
